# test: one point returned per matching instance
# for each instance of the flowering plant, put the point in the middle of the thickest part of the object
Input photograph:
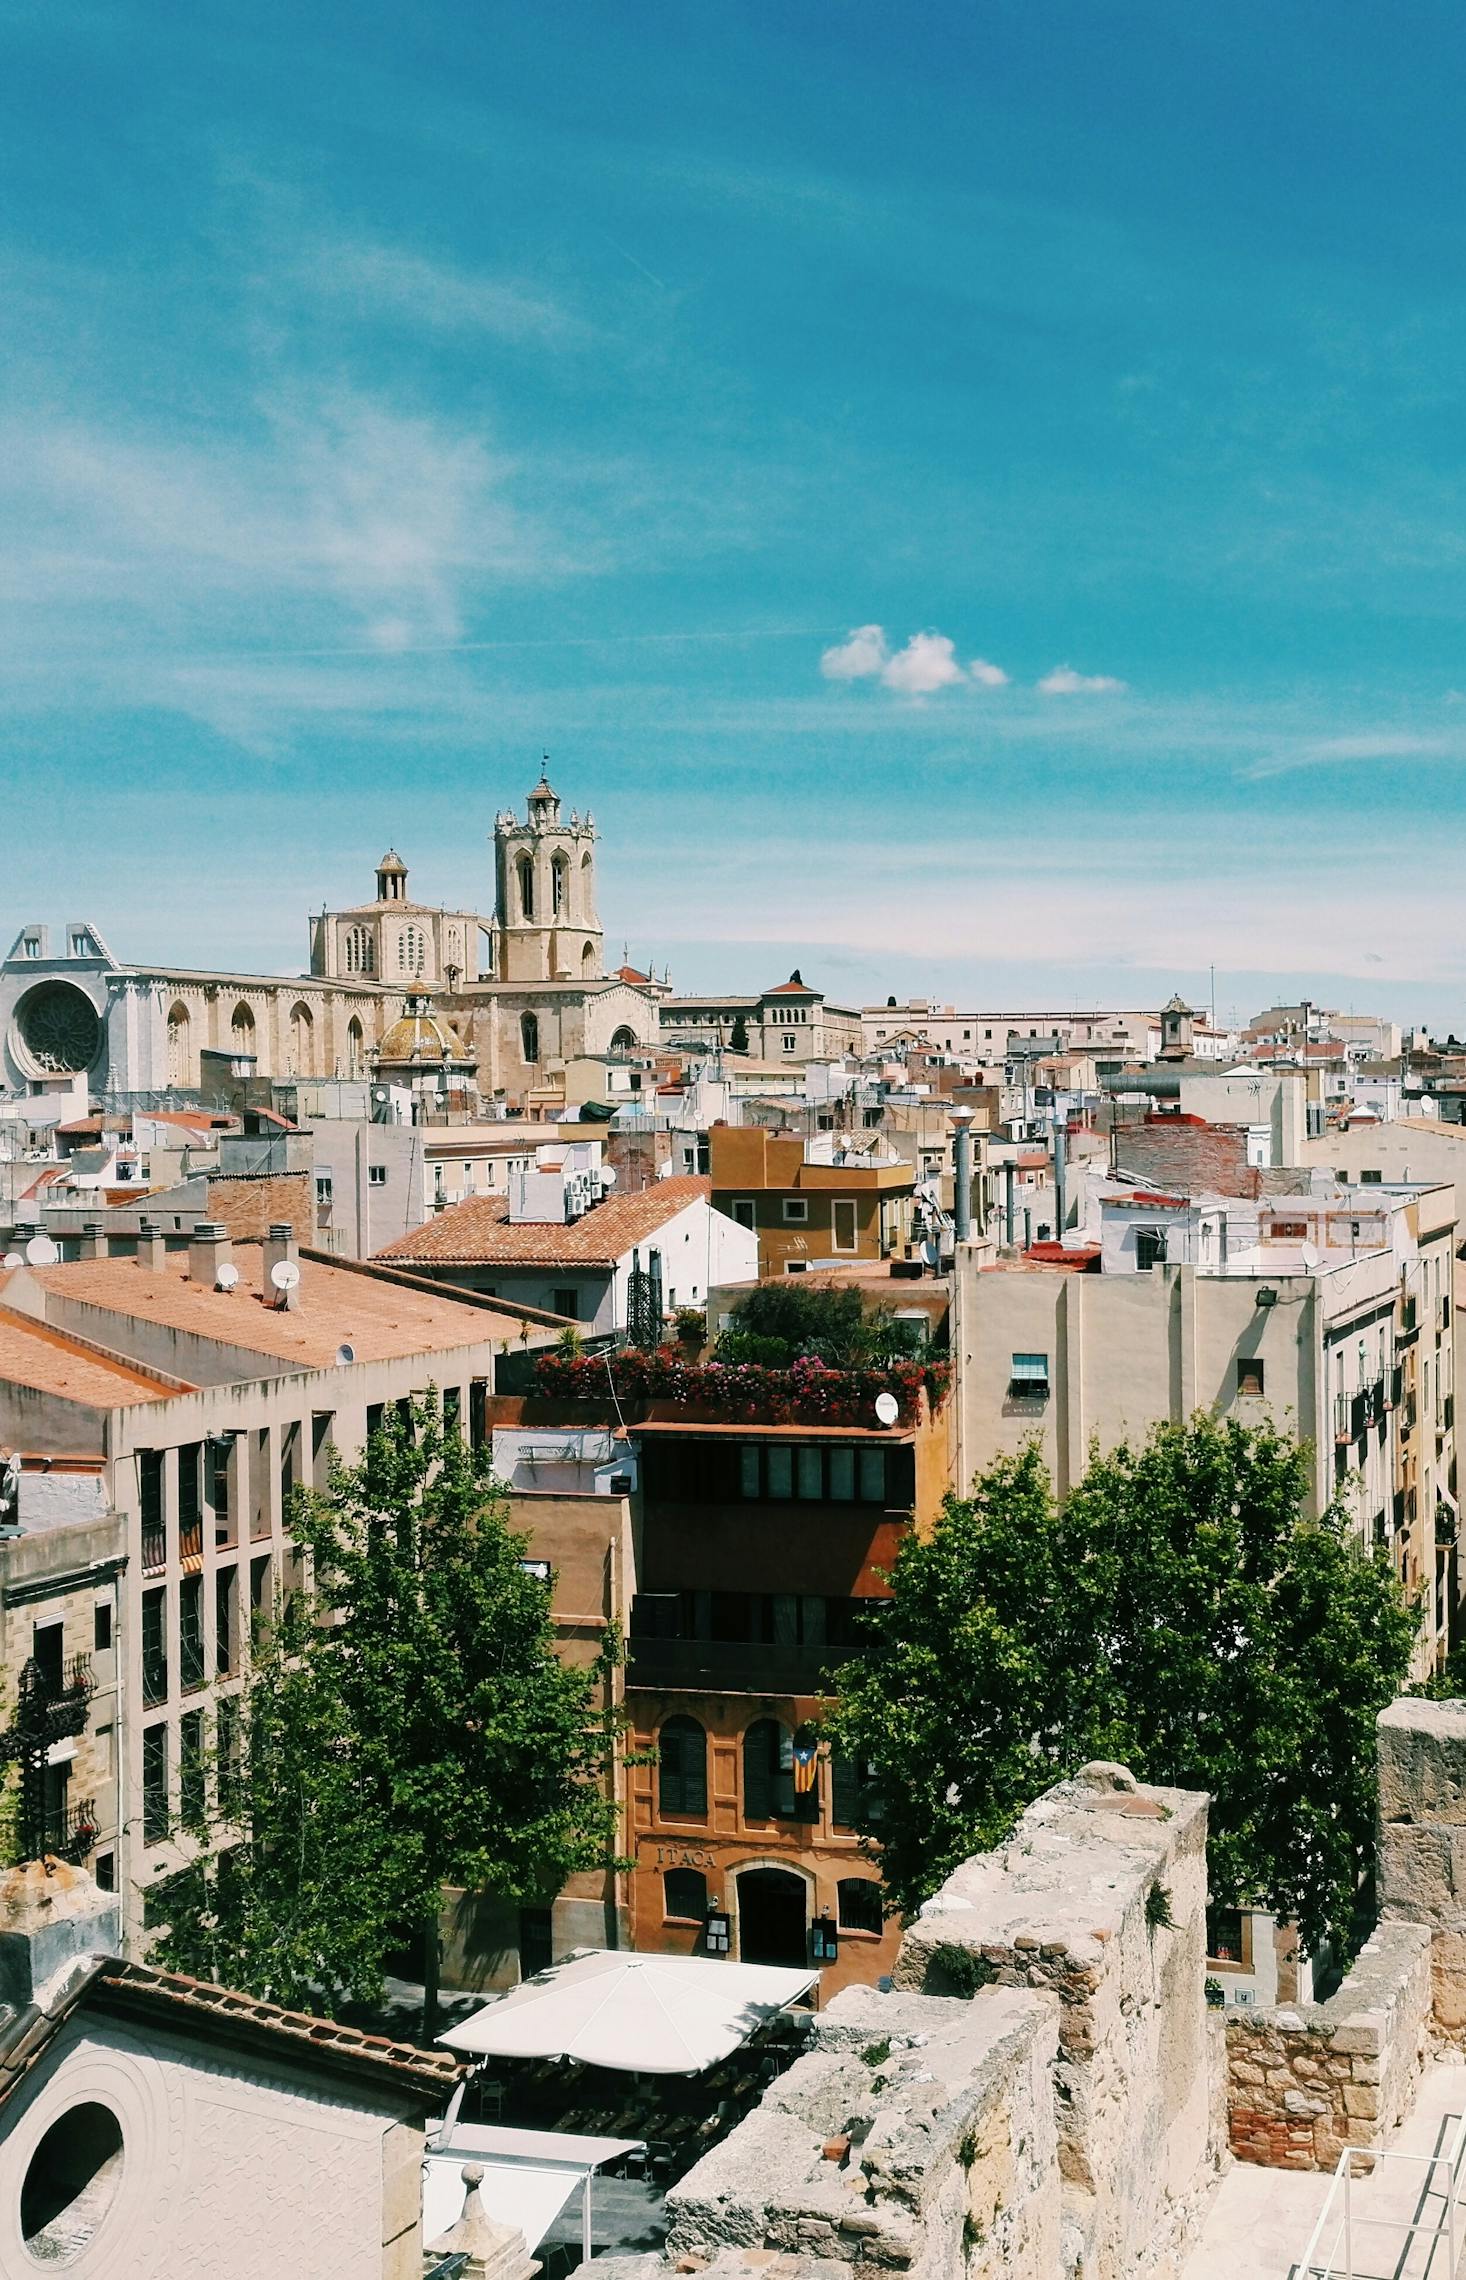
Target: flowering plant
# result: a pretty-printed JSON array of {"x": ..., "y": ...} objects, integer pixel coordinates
[{"x": 807, "y": 1392}]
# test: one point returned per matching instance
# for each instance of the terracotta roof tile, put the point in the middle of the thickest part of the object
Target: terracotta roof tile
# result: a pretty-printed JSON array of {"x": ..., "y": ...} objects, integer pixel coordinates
[
  {"x": 478, "y": 1232},
  {"x": 380, "y": 1317},
  {"x": 49, "y": 1362}
]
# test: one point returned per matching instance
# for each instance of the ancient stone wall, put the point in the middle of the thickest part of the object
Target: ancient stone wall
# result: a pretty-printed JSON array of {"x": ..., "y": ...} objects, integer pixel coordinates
[
  {"x": 1100, "y": 1897},
  {"x": 1308, "y": 2080},
  {"x": 1422, "y": 1839},
  {"x": 916, "y": 2135}
]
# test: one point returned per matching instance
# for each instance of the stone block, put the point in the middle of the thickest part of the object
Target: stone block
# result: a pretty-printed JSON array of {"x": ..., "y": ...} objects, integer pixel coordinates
[
  {"x": 1361, "y": 2099},
  {"x": 1364, "y": 2036},
  {"x": 1422, "y": 1761}
]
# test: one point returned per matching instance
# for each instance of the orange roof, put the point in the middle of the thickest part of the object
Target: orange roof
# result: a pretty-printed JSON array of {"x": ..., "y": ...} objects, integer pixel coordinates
[
  {"x": 478, "y": 1231},
  {"x": 380, "y": 1318},
  {"x": 49, "y": 1362},
  {"x": 791, "y": 988},
  {"x": 631, "y": 974}
]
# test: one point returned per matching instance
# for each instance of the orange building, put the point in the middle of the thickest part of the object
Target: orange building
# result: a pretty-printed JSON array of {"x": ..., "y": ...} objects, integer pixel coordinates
[
  {"x": 758, "y": 1545},
  {"x": 829, "y": 1200}
]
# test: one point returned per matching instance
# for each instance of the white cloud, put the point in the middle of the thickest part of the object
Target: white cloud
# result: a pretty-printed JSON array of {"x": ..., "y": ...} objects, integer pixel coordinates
[
  {"x": 383, "y": 281},
  {"x": 859, "y": 658},
  {"x": 927, "y": 663},
  {"x": 987, "y": 675},
  {"x": 1065, "y": 682}
]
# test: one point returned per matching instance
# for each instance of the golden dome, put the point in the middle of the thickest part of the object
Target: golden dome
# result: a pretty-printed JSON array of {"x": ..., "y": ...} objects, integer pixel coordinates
[{"x": 422, "y": 1036}]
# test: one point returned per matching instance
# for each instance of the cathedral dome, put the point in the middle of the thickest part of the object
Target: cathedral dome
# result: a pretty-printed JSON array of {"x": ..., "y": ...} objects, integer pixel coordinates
[{"x": 422, "y": 1036}]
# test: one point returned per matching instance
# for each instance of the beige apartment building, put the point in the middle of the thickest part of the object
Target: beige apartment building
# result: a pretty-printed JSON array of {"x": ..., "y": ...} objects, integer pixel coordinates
[
  {"x": 1327, "y": 1312},
  {"x": 156, "y": 1412},
  {"x": 827, "y": 1201}
]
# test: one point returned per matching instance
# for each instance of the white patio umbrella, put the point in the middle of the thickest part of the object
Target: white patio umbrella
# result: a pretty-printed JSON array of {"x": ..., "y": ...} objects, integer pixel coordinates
[{"x": 646, "y": 2014}]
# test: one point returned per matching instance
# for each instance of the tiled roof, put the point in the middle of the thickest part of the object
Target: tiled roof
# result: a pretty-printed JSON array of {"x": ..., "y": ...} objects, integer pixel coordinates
[
  {"x": 381, "y": 1318},
  {"x": 631, "y": 974},
  {"x": 477, "y": 1232},
  {"x": 217, "y": 2014},
  {"x": 49, "y": 1362}
]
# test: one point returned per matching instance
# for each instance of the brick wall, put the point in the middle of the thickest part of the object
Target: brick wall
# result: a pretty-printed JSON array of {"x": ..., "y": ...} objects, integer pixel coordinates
[
  {"x": 247, "y": 1208},
  {"x": 1307, "y": 2081},
  {"x": 1187, "y": 1159}
]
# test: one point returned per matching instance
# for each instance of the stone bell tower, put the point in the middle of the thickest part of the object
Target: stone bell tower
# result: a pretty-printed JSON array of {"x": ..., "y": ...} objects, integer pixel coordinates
[{"x": 545, "y": 923}]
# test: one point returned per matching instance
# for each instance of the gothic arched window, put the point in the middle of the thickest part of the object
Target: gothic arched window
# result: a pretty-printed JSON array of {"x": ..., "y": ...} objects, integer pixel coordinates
[
  {"x": 179, "y": 1061},
  {"x": 360, "y": 951},
  {"x": 559, "y": 885},
  {"x": 524, "y": 870},
  {"x": 302, "y": 1041},
  {"x": 355, "y": 1057},
  {"x": 529, "y": 1036},
  {"x": 624, "y": 1041},
  {"x": 242, "y": 1029}
]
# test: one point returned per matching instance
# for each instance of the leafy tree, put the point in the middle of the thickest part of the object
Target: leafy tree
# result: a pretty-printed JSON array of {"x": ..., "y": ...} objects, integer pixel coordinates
[
  {"x": 1180, "y": 1612},
  {"x": 738, "y": 1037},
  {"x": 408, "y": 1724},
  {"x": 779, "y": 1321}
]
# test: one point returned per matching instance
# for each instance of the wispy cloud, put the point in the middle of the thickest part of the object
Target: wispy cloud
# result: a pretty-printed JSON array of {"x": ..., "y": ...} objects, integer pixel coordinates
[
  {"x": 384, "y": 281},
  {"x": 987, "y": 675},
  {"x": 1339, "y": 751},
  {"x": 1063, "y": 681}
]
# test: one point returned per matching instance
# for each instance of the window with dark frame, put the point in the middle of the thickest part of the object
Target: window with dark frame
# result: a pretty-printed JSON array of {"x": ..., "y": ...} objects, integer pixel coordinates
[
  {"x": 682, "y": 1769},
  {"x": 859, "y": 1904},
  {"x": 155, "y": 1784},
  {"x": 1250, "y": 1377},
  {"x": 685, "y": 1895}
]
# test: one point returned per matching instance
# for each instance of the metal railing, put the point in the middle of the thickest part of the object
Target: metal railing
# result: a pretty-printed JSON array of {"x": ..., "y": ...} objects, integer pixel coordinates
[{"x": 1437, "y": 2219}]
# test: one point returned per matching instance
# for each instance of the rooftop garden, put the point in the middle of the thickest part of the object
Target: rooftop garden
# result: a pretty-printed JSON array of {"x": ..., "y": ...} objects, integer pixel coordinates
[{"x": 794, "y": 1354}]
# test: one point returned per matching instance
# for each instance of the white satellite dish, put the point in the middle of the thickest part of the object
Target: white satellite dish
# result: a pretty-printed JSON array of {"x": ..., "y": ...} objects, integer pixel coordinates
[
  {"x": 40, "y": 1251},
  {"x": 345, "y": 1354},
  {"x": 14, "y": 1259},
  {"x": 608, "y": 1175},
  {"x": 1311, "y": 1255},
  {"x": 285, "y": 1274},
  {"x": 227, "y": 1277},
  {"x": 888, "y": 1408}
]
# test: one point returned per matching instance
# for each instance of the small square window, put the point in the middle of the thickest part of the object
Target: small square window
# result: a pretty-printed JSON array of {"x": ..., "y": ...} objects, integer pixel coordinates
[
  {"x": 376, "y": 1175},
  {"x": 1250, "y": 1378},
  {"x": 796, "y": 1211},
  {"x": 1029, "y": 1377}
]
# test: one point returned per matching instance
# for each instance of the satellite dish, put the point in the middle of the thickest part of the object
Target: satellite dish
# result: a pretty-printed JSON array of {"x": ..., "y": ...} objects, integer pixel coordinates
[
  {"x": 608, "y": 1175},
  {"x": 40, "y": 1251},
  {"x": 1310, "y": 1255},
  {"x": 285, "y": 1274},
  {"x": 14, "y": 1259},
  {"x": 888, "y": 1408},
  {"x": 227, "y": 1277},
  {"x": 381, "y": 1092},
  {"x": 345, "y": 1354}
]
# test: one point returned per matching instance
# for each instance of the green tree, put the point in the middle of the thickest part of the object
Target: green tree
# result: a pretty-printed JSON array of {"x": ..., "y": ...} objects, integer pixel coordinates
[
  {"x": 1180, "y": 1612},
  {"x": 408, "y": 1724},
  {"x": 778, "y": 1321},
  {"x": 738, "y": 1037}
]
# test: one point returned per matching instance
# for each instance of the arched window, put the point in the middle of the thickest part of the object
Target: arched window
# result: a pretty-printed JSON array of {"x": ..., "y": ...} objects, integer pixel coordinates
[
  {"x": 529, "y": 1037},
  {"x": 682, "y": 1777},
  {"x": 859, "y": 1903},
  {"x": 242, "y": 1030},
  {"x": 302, "y": 1041},
  {"x": 524, "y": 869},
  {"x": 685, "y": 1894},
  {"x": 588, "y": 959},
  {"x": 355, "y": 1054},
  {"x": 180, "y": 1060},
  {"x": 624, "y": 1040},
  {"x": 768, "y": 1771},
  {"x": 559, "y": 885},
  {"x": 411, "y": 950},
  {"x": 361, "y": 956}
]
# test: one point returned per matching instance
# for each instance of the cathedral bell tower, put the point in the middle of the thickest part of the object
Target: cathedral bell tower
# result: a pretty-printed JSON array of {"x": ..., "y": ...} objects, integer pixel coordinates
[{"x": 545, "y": 923}]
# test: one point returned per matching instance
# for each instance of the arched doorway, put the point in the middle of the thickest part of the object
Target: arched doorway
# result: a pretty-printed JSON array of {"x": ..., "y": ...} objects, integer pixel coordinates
[{"x": 773, "y": 1917}]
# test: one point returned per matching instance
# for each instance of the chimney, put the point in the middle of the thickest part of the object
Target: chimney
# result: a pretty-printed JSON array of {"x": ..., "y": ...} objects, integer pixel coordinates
[
  {"x": 280, "y": 1247},
  {"x": 91, "y": 1243},
  {"x": 208, "y": 1250},
  {"x": 152, "y": 1247},
  {"x": 54, "y": 1917}
]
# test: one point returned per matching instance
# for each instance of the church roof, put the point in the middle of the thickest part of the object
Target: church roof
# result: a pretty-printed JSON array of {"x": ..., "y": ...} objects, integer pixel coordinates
[
  {"x": 422, "y": 1035},
  {"x": 393, "y": 863}
]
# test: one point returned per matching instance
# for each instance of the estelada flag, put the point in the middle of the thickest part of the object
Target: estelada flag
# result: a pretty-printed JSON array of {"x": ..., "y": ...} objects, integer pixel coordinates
[{"x": 806, "y": 1761}]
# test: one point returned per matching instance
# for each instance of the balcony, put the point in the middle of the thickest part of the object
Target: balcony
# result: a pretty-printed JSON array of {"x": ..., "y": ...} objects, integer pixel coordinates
[
  {"x": 730, "y": 1666},
  {"x": 73, "y": 1831},
  {"x": 54, "y": 1703}
]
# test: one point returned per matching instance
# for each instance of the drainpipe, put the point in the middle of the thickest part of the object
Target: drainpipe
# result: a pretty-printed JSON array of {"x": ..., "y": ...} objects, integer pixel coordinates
[
  {"x": 1061, "y": 1183},
  {"x": 962, "y": 1183}
]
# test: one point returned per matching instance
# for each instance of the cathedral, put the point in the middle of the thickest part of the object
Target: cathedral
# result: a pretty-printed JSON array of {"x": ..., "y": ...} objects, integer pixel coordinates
[{"x": 525, "y": 990}]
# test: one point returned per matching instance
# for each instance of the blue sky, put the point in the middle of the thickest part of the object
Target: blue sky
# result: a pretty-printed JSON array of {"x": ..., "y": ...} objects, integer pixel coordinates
[{"x": 387, "y": 394}]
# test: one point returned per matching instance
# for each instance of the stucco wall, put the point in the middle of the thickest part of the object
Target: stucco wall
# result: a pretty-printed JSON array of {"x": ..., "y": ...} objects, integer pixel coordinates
[{"x": 227, "y": 2168}]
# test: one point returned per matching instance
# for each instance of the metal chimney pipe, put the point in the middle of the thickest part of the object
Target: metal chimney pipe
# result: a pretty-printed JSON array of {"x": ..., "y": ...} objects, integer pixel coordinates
[
  {"x": 1010, "y": 1202},
  {"x": 1061, "y": 1181},
  {"x": 962, "y": 1181}
]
